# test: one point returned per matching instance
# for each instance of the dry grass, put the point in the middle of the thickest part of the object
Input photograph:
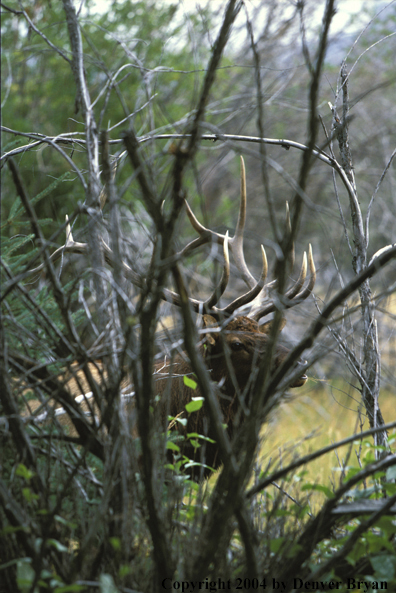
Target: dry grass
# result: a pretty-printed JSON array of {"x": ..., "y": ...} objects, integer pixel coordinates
[{"x": 324, "y": 414}]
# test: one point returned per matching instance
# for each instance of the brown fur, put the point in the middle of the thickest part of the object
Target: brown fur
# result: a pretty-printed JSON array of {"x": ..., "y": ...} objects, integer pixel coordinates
[{"x": 246, "y": 342}]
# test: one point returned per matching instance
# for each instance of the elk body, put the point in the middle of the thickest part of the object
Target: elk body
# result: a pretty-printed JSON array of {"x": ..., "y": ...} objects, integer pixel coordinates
[
  {"x": 242, "y": 347},
  {"x": 234, "y": 345}
]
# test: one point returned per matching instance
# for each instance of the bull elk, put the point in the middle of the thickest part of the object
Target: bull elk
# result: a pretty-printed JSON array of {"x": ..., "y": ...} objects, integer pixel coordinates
[{"x": 233, "y": 344}]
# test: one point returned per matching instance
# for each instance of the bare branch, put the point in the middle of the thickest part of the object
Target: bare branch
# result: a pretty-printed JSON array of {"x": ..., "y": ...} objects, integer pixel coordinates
[
  {"x": 230, "y": 15},
  {"x": 281, "y": 473}
]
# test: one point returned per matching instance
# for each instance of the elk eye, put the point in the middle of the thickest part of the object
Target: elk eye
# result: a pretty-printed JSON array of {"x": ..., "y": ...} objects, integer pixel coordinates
[{"x": 237, "y": 345}]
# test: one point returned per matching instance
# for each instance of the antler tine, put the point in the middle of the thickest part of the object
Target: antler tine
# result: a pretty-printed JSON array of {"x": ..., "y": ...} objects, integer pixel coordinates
[
  {"x": 299, "y": 283},
  {"x": 288, "y": 230},
  {"x": 291, "y": 293},
  {"x": 312, "y": 271},
  {"x": 208, "y": 306},
  {"x": 75, "y": 247},
  {"x": 70, "y": 246},
  {"x": 253, "y": 293},
  {"x": 206, "y": 235},
  {"x": 219, "y": 290},
  {"x": 235, "y": 243},
  {"x": 294, "y": 295},
  {"x": 237, "y": 240}
]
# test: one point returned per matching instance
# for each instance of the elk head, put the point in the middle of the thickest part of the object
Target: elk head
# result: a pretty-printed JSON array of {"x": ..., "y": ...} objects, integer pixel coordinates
[{"x": 246, "y": 342}]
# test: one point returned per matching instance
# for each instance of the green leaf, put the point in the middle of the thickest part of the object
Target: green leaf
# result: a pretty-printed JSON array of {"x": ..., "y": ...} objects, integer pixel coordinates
[
  {"x": 70, "y": 588},
  {"x": 188, "y": 382},
  {"x": 281, "y": 513},
  {"x": 352, "y": 471},
  {"x": 359, "y": 550},
  {"x": 63, "y": 521},
  {"x": 195, "y": 404},
  {"x": 57, "y": 545},
  {"x": 199, "y": 436},
  {"x": 124, "y": 571},
  {"x": 172, "y": 446},
  {"x": 390, "y": 489},
  {"x": 25, "y": 574},
  {"x": 319, "y": 488},
  {"x": 29, "y": 495},
  {"x": 391, "y": 473},
  {"x": 198, "y": 464},
  {"x": 24, "y": 472},
  {"x": 115, "y": 543},
  {"x": 384, "y": 567},
  {"x": 10, "y": 529},
  {"x": 276, "y": 544},
  {"x": 107, "y": 584}
]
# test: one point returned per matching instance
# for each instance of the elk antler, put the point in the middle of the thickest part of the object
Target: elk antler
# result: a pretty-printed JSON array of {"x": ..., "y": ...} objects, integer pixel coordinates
[
  {"x": 292, "y": 297},
  {"x": 235, "y": 243},
  {"x": 72, "y": 246},
  {"x": 295, "y": 294},
  {"x": 208, "y": 306}
]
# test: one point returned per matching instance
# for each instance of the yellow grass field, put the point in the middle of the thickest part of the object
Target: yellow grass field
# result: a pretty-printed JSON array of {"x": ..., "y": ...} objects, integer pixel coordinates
[
  {"x": 321, "y": 416},
  {"x": 329, "y": 412}
]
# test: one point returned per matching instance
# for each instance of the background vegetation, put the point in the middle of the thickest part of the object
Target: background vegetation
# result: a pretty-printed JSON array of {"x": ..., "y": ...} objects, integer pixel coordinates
[{"x": 78, "y": 512}]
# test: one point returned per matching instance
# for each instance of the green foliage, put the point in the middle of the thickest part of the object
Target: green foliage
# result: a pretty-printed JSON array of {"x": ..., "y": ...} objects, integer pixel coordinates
[
  {"x": 319, "y": 488},
  {"x": 33, "y": 315},
  {"x": 25, "y": 574},
  {"x": 171, "y": 446},
  {"x": 43, "y": 109},
  {"x": 23, "y": 472},
  {"x": 384, "y": 567},
  {"x": 195, "y": 404},
  {"x": 191, "y": 384},
  {"x": 107, "y": 584}
]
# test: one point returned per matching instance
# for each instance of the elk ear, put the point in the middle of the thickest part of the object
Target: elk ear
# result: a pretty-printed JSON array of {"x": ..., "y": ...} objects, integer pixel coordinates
[
  {"x": 266, "y": 327},
  {"x": 209, "y": 321}
]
